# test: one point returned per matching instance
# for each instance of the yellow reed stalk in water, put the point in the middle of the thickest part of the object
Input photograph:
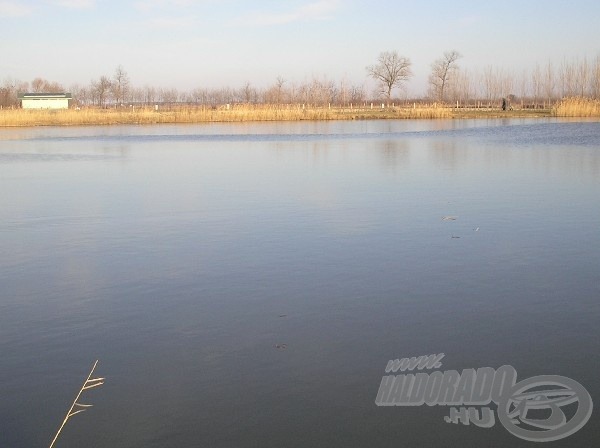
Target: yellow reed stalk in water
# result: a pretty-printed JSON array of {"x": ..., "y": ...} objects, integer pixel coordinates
[{"x": 77, "y": 407}]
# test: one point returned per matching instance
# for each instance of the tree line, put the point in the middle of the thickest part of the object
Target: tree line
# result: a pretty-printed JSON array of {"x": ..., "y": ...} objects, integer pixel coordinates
[{"x": 447, "y": 83}]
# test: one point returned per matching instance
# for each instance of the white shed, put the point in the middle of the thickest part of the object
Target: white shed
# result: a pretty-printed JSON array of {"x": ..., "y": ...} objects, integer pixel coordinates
[{"x": 45, "y": 100}]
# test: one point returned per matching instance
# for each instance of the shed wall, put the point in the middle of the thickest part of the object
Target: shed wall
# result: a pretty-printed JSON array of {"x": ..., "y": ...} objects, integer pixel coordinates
[{"x": 50, "y": 103}]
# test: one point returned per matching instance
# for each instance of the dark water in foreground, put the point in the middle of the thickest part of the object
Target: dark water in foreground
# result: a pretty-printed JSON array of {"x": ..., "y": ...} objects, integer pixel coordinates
[{"x": 182, "y": 256}]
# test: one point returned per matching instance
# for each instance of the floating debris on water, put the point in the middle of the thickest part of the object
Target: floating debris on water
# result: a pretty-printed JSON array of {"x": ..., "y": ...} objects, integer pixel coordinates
[
  {"x": 283, "y": 315},
  {"x": 280, "y": 346},
  {"x": 477, "y": 229},
  {"x": 453, "y": 236},
  {"x": 449, "y": 218}
]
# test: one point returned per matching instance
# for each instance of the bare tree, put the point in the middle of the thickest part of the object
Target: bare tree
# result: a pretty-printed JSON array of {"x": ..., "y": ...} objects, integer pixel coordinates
[
  {"x": 100, "y": 90},
  {"x": 8, "y": 93},
  {"x": 199, "y": 95},
  {"x": 149, "y": 94},
  {"x": 491, "y": 86},
  {"x": 168, "y": 96},
  {"x": 357, "y": 94},
  {"x": 549, "y": 82},
  {"x": 442, "y": 72},
  {"x": 343, "y": 93},
  {"x": 248, "y": 93},
  {"x": 507, "y": 83},
  {"x": 225, "y": 95},
  {"x": 568, "y": 79},
  {"x": 582, "y": 79},
  {"x": 536, "y": 84},
  {"x": 523, "y": 86},
  {"x": 462, "y": 88},
  {"x": 276, "y": 93},
  {"x": 137, "y": 95},
  {"x": 390, "y": 71},
  {"x": 120, "y": 85},
  {"x": 322, "y": 91},
  {"x": 39, "y": 85},
  {"x": 279, "y": 82},
  {"x": 595, "y": 81},
  {"x": 80, "y": 94}
]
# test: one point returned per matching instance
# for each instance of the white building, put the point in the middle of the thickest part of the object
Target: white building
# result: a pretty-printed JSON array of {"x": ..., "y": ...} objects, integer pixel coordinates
[{"x": 45, "y": 100}]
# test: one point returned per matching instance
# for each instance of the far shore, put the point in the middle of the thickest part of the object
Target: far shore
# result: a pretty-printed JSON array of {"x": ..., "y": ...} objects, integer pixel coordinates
[{"x": 248, "y": 113}]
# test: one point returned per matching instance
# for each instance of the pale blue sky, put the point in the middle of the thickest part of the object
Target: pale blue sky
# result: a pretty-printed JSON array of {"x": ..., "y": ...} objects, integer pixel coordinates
[{"x": 212, "y": 43}]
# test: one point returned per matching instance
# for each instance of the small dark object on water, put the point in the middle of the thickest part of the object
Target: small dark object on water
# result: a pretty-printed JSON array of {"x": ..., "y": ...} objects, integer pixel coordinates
[
  {"x": 455, "y": 236},
  {"x": 283, "y": 315},
  {"x": 280, "y": 346}
]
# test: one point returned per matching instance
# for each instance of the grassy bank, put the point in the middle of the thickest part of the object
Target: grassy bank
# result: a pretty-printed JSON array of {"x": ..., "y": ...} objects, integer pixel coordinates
[{"x": 572, "y": 107}]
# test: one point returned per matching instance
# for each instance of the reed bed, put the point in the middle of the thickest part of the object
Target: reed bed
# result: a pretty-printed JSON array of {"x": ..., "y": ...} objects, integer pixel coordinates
[
  {"x": 577, "y": 107},
  {"x": 199, "y": 114},
  {"x": 568, "y": 107}
]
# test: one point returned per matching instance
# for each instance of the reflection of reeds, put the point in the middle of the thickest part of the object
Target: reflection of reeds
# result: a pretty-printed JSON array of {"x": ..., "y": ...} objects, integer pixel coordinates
[
  {"x": 578, "y": 107},
  {"x": 77, "y": 407},
  {"x": 200, "y": 114}
]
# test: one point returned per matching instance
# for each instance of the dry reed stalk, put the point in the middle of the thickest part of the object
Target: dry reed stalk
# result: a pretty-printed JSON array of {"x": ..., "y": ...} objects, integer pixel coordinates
[
  {"x": 578, "y": 107},
  {"x": 77, "y": 407},
  {"x": 199, "y": 114}
]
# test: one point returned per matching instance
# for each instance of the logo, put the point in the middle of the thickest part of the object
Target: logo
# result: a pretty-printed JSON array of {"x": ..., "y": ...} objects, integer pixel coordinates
[{"x": 538, "y": 409}]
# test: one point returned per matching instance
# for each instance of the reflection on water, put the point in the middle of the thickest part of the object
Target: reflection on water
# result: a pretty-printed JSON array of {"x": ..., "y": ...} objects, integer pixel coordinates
[
  {"x": 393, "y": 153},
  {"x": 447, "y": 155},
  {"x": 182, "y": 256}
]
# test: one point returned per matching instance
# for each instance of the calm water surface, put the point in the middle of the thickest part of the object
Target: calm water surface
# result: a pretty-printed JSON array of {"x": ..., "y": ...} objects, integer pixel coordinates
[{"x": 182, "y": 256}]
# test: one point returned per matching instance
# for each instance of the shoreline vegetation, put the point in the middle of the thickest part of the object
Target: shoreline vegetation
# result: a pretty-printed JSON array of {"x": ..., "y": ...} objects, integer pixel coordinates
[{"x": 165, "y": 114}]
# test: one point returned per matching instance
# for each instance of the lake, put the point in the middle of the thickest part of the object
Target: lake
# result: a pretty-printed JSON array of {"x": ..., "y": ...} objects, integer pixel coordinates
[{"x": 245, "y": 285}]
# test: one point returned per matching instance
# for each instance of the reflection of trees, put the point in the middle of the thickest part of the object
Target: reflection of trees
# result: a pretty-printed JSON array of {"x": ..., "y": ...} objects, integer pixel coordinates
[
  {"x": 455, "y": 154},
  {"x": 393, "y": 153},
  {"x": 580, "y": 165},
  {"x": 446, "y": 153},
  {"x": 120, "y": 151}
]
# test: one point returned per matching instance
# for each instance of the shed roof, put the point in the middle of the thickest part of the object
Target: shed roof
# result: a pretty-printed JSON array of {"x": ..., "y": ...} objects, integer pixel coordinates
[{"x": 44, "y": 96}]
